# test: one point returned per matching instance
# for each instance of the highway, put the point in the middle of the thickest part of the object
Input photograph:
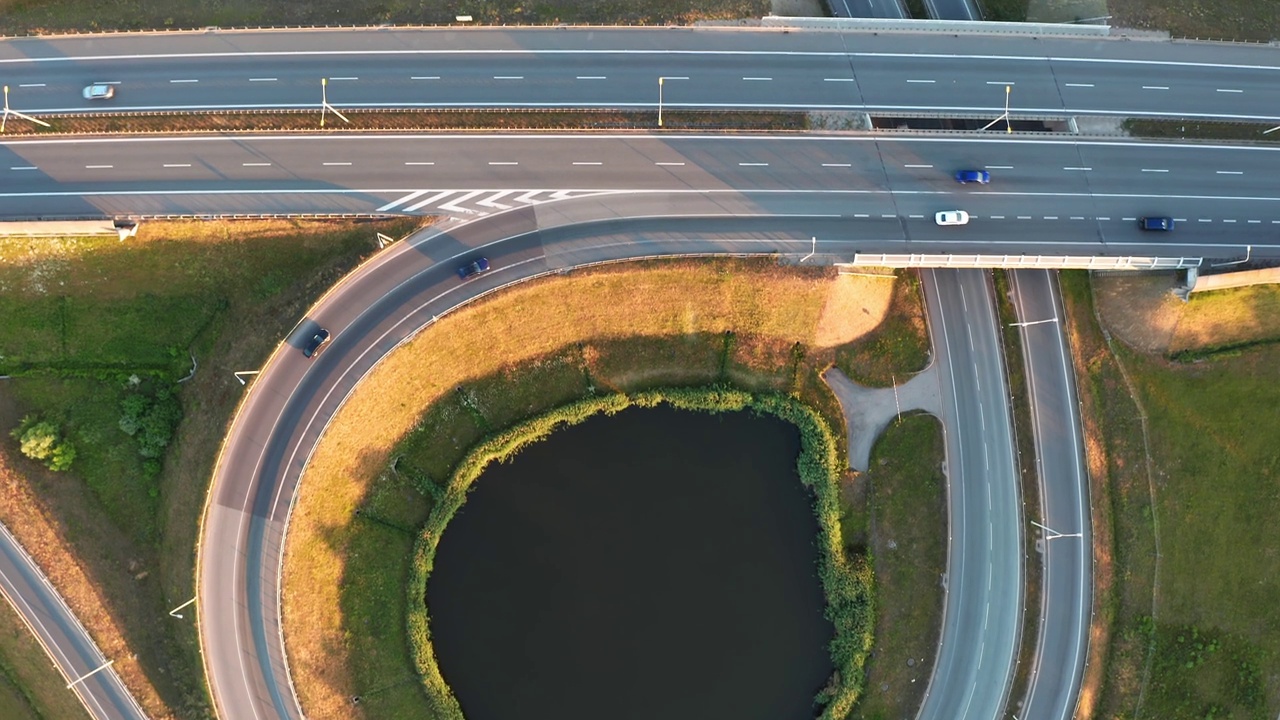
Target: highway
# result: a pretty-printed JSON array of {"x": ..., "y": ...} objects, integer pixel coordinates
[
  {"x": 69, "y": 647},
  {"x": 550, "y": 201},
  {"x": 1065, "y": 532},
  {"x": 982, "y": 610},
  {"x": 619, "y": 68},
  {"x": 1055, "y": 196}
]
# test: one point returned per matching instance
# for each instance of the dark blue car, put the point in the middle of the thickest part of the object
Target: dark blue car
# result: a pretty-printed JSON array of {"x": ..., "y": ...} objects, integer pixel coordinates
[
  {"x": 982, "y": 177},
  {"x": 1159, "y": 224},
  {"x": 472, "y": 269},
  {"x": 315, "y": 343}
]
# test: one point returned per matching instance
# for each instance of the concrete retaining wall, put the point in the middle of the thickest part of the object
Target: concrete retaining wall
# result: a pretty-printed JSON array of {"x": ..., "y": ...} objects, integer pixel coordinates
[{"x": 1244, "y": 278}]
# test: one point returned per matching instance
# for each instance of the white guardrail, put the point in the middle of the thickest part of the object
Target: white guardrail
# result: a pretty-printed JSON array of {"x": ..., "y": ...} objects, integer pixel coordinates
[{"x": 1057, "y": 262}]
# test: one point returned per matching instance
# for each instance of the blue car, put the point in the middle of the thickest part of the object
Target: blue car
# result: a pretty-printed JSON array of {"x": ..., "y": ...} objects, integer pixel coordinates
[
  {"x": 472, "y": 269},
  {"x": 315, "y": 343},
  {"x": 982, "y": 177},
  {"x": 1159, "y": 224}
]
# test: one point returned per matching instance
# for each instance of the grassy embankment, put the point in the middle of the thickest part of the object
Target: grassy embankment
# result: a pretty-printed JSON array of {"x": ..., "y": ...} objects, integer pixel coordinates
[
  {"x": 625, "y": 328},
  {"x": 906, "y": 516},
  {"x": 1196, "y": 632},
  {"x": 78, "y": 317},
  {"x": 32, "y": 16},
  {"x": 1029, "y": 479},
  {"x": 30, "y": 689}
]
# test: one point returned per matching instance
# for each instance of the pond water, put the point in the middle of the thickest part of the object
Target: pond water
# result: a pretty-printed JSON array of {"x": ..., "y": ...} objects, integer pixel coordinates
[{"x": 654, "y": 564}]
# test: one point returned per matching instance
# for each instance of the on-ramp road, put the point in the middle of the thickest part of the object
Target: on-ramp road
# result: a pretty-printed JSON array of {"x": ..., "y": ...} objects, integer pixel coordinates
[
  {"x": 1066, "y": 537},
  {"x": 982, "y": 612}
]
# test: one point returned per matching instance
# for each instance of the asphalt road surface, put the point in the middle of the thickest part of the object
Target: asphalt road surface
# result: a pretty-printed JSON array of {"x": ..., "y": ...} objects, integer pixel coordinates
[
  {"x": 1046, "y": 195},
  {"x": 857, "y": 194},
  {"x": 1066, "y": 537},
  {"x": 593, "y": 67},
  {"x": 982, "y": 611},
  {"x": 401, "y": 292},
  {"x": 868, "y": 8},
  {"x": 70, "y": 648}
]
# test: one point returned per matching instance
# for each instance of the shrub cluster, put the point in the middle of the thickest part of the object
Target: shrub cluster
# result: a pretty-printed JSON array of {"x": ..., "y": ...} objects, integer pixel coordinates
[
  {"x": 847, "y": 582},
  {"x": 42, "y": 440},
  {"x": 151, "y": 418}
]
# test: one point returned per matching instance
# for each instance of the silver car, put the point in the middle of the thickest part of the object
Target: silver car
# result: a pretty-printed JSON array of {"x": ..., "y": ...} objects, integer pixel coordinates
[{"x": 99, "y": 91}]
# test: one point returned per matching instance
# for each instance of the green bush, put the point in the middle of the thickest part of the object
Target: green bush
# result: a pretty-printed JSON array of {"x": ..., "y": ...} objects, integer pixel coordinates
[
  {"x": 42, "y": 440},
  {"x": 151, "y": 419},
  {"x": 847, "y": 582}
]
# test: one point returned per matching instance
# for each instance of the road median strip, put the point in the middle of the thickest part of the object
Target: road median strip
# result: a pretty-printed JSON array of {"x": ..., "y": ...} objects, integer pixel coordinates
[{"x": 453, "y": 120}]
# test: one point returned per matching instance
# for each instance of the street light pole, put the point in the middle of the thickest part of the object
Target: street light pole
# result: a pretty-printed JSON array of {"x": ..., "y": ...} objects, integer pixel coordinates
[
  {"x": 324, "y": 103},
  {"x": 660, "y": 101},
  {"x": 1007, "y": 125},
  {"x": 7, "y": 112},
  {"x": 1008, "y": 128}
]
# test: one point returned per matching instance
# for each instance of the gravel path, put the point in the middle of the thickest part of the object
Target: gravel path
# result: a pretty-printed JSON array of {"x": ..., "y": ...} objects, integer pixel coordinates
[{"x": 868, "y": 411}]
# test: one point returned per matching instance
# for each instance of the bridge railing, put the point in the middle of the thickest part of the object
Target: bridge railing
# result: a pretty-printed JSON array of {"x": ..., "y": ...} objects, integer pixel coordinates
[{"x": 1056, "y": 262}]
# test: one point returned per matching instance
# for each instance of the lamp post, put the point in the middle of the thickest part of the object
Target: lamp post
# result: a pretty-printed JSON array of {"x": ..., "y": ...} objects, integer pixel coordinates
[
  {"x": 324, "y": 103},
  {"x": 1007, "y": 126},
  {"x": 7, "y": 112},
  {"x": 660, "y": 80}
]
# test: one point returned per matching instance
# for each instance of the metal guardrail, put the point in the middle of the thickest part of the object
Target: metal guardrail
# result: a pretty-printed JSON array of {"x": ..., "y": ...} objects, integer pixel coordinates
[{"x": 1056, "y": 262}]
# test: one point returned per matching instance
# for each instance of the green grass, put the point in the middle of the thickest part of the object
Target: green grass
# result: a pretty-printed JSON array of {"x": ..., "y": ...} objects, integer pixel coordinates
[
  {"x": 79, "y": 316},
  {"x": 898, "y": 348},
  {"x": 1200, "y": 130},
  {"x": 1124, "y": 532},
  {"x": 1212, "y": 435},
  {"x": 908, "y": 514},
  {"x": 49, "y": 15},
  {"x": 1211, "y": 645}
]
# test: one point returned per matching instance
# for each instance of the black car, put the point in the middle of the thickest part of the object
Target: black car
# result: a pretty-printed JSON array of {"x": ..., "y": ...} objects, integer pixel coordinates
[
  {"x": 472, "y": 269},
  {"x": 315, "y": 343}
]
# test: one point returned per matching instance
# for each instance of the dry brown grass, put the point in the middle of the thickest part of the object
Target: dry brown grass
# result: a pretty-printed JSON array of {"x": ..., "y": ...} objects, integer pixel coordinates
[
  {"x": 94, "y": 599},
  {"x": 687, "y": 302},
  {"x": 1140, "y": 310},
  {"x": 421, "y": 120}
]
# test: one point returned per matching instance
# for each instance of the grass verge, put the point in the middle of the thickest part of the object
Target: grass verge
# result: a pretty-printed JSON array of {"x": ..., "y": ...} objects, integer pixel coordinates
[
  {"x": 898, "y": 348},
  {"x": 908, "y": 517},
  {"x": 1200, "y": 130},
  {"x": 424, "y": 120},
  {"x": 1029, "y": 479},
  {"x": 30, "y": 687},
  {"x": 626, "y": 328},
  {"x": 44, "y": 16},
  {"x": 78, "y": 318},
  {"x": 1214, "y": 636},
  {"x": 847, "y": 582},
  {"x": 1224, "y": 19},
  {"x": 1125, "y": 541}
]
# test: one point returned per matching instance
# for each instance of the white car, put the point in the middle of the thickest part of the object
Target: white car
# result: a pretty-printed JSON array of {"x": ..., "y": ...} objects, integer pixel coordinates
[
  {"x": 952, "y": 217},
  {"x": 99, "y": 91}
]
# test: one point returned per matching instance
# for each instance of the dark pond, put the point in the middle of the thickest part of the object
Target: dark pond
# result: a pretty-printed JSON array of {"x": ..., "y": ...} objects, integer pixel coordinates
[{"x": 656, "y": 564}]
